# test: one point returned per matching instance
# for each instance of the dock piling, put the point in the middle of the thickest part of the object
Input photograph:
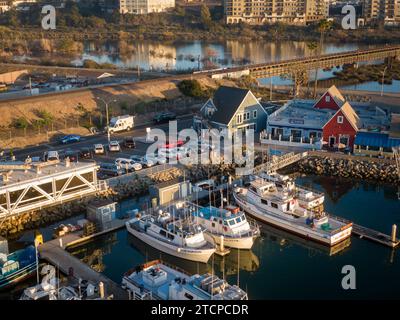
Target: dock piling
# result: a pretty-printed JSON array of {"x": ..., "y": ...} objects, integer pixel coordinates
[{"x": 394, "y": 232}]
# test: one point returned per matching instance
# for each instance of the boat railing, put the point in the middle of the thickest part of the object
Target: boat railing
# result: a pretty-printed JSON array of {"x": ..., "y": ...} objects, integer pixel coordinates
[{"x": 317, "y": 194}]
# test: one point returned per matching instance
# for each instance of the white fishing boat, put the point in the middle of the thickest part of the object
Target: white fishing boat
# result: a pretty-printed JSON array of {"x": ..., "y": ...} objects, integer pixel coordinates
[
  {"x": 157, "y": 281},
  {"x": 228, "y": 225},
  {"x": 177, "y": 236},
  {"x": 307, "y": 198},
  {"x": 264, "y": 201}
]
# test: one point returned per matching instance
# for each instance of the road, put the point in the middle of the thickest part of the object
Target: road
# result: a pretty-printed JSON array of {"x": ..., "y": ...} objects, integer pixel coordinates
[{"x": 88, "y": 141}]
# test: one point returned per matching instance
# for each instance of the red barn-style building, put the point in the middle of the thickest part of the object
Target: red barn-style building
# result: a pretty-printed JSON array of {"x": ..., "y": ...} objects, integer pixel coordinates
[
  {"x": 330, "y": 121},
  {"x": 332, "y": 99},
  {"x": 340, "y": 131}
]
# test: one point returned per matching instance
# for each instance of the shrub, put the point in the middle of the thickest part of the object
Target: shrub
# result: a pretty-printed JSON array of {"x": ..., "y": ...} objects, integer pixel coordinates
[
  {"x": 191, "y": 88},
  {"x": 20, "y": 123}
]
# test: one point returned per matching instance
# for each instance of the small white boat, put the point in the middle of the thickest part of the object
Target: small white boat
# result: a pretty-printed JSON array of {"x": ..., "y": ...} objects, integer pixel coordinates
[
  {"x": 157, "y": 281},
  {"x": 229, "y": 226},
  {"x": 173, "y": 235},
  {"x": 281, "y": 209}
]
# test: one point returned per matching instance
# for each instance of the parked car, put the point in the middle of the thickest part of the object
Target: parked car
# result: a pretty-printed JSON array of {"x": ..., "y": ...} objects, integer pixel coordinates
[
  {"x": 110, "y": 169},
  {"x": 164, "y": 117},
  {"x": 114, "y": 146},
  {"x": 51, "y": 156},
  {"x": 86, "y": 153},
  {"x": 150, "y": 160},
  {"x": 72, "y": 155},
  {"x": 145, "y": 162},
  {"x": 98, "y": 148},
  {"x": 70, "y": 139},
  {"x": 129, "y": 142},
  {"x": 128, "y": 164}
]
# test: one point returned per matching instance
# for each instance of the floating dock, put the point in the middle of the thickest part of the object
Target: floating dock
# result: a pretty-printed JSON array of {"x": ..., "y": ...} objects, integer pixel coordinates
[
  {"x": 370, "y": 234},
  {"x": 54, "y": 252}
]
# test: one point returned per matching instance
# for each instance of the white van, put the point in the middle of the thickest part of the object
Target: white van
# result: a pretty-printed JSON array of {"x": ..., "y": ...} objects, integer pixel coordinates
[{"x": 120, "y": 123}]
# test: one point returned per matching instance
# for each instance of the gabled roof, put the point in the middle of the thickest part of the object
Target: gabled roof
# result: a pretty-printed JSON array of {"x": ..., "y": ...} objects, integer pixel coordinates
[
  {"x": 227, "y": 100},
  {"x": 335, "y": 94},
  {"x": 350, "y": 115}
]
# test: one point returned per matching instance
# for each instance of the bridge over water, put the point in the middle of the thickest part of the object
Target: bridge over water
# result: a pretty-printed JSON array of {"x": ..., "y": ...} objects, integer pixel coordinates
[{"x": 311, "y": 63}]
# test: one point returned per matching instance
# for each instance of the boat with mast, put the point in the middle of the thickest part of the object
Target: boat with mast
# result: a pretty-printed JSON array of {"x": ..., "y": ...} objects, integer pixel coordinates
[
  {"x": 157, "y": 281},
  {"x": 174, "y": 234},
  {"x": 281, "y": 208}
]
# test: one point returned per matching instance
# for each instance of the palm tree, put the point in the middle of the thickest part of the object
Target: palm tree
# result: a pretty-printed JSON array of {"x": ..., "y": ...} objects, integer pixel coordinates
[
  {"x": 312, "y": 46},
  {"x": 323, "y": 26}
]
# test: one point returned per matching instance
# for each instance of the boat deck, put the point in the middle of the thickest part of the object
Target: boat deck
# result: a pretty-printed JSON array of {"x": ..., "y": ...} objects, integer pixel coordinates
[{"x": 371, "y": 234}]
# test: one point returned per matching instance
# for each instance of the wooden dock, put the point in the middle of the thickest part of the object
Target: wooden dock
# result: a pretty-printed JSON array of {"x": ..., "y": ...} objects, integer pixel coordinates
[
  {"x": 54, "y": 252},
  {"x": 370, "y": 234}
]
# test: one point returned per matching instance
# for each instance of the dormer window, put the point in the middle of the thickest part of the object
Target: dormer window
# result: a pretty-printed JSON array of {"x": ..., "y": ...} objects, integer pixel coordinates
[{"x": 340, "y": 119}]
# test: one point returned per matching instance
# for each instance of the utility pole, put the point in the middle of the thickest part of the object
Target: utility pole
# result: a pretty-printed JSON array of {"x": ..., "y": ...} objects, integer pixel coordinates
[{"x": 107, "y": 117}]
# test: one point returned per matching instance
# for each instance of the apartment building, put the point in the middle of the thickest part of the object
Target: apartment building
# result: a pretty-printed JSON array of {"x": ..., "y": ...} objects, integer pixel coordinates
[
  {"x": 145, "y": 6},
  {"x": 272, "y": 11},
  {"x": 387, "y": 11}
]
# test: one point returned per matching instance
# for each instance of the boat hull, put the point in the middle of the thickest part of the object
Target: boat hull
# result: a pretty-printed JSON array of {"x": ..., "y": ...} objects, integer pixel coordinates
[
  {"x": 282, "y": 224},
  {"x": 17, "y": 276},
  {"x": 237, "y": 243},
  {"x": 192, "y": 254}
]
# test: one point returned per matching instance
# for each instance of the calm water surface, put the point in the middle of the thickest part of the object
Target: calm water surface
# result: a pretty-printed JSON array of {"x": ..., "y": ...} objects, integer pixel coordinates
[{"x": 283, "y": 266}]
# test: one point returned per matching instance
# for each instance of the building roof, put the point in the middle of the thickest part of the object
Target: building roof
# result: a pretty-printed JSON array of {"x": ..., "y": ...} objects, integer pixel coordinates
[
  {"x": 374, "y": 139},
  {"x": 226, "y": 101},
  {"x": 350, "y": 115},
  {"x": 335, "y": 94},
  {"x": 302, "y": 114}
]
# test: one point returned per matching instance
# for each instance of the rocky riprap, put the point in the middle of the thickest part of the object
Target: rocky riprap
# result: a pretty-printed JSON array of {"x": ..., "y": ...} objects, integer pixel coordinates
[{"x": 348, "y": 168}]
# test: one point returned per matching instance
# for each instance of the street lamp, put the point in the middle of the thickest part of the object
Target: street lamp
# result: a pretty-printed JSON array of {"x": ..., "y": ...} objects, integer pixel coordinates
[
  {"x": 383, "y": 80},
  {"x": 106, "y": 104}
]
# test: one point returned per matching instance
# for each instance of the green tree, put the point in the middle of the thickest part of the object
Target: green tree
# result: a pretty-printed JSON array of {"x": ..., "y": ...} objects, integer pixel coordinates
[
  {"x": 312, "y": 46},
  {"x": 323, "y": 26}
]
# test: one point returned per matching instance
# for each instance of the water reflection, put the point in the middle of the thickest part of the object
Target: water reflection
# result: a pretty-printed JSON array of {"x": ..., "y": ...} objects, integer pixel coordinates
[
  {"x": 191, "y": 55},
  {"x": 286, "y": 240}
]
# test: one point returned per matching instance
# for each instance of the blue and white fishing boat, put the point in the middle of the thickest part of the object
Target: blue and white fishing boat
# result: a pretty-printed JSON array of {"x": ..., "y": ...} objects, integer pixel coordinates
[
  {"x": 17, "y": 266},
  {"x": 157, "y": 281},
  {"x": 228, "y": 224}
]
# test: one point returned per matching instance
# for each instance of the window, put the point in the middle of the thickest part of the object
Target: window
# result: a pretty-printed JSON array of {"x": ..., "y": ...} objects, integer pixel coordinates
[
  {"x": 254, "y": 114},
  {"x": 340, "y": 119},
  {"x": 220, "y": 221},
  {"x": 312, "y": 134},
  {"x": 213, "y": 225},
  {"x": 327, "y": 98},
  {"x": 344, "y": 140},
  {"x": 264, "y": 201},
  {"x": 274, "y": 205},
  {"x": 171, "y": 236},
  {"x": 231, "y": 222},
  {"x": 163, "y": 233},
  {"x": 238, "y": 220},
  {"x": 239, "y": 118},
  {"x": 246, "y": 116}
]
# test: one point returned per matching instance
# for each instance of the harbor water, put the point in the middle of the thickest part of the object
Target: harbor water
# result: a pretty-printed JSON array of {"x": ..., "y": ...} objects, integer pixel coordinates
[{"x": 281, "y": 265}]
